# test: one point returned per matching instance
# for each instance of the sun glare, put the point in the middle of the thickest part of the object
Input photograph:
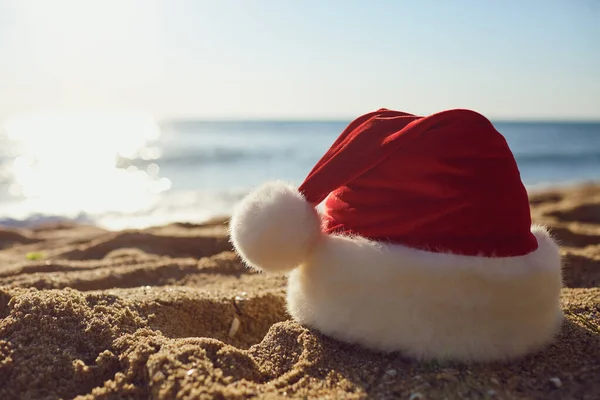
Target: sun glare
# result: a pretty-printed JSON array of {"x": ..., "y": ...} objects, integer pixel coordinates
[
  {"x": 85, "y": 43},
  {"x": 67, "y": 163}
]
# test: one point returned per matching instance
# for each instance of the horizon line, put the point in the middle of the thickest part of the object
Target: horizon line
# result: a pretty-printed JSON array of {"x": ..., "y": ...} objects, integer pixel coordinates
[{"x": 240, "y": 119}]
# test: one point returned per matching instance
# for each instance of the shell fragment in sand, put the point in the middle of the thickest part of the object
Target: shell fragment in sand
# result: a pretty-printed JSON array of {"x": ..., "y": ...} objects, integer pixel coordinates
[{"x": 235, "y": 325}]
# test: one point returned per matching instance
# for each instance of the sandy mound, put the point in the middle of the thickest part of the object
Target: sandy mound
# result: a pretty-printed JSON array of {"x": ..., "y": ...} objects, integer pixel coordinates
[{"x": 169, "y": 312}]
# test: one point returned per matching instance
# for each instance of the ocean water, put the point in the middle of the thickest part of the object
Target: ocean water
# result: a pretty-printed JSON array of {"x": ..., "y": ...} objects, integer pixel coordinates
[{"x": 131, "y": 172}]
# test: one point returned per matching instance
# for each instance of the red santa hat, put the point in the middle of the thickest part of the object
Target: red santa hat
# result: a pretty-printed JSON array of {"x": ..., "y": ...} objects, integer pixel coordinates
[{"x": 425, "y": 244}]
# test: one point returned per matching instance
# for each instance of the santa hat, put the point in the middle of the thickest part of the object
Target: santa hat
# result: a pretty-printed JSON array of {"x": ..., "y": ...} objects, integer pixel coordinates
[{"x": 425, "y": 244}]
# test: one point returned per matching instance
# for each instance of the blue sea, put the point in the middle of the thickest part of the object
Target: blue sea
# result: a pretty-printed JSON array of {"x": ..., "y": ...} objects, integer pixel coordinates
[{"x": 125, "y": 172}]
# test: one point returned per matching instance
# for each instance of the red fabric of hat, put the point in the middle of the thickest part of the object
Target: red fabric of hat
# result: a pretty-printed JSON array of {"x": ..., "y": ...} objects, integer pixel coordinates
[{"x": 443, "y": 183}]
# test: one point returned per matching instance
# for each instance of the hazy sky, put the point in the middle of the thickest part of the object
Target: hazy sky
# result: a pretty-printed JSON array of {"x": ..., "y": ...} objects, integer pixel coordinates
[{"x": 301, "y": 59}]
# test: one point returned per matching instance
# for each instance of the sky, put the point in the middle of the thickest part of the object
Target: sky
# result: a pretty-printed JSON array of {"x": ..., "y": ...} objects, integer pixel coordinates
[{"x": 320, "y": 59}]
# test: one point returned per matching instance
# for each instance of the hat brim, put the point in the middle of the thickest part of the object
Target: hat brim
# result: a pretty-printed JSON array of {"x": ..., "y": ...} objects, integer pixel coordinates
[{"x": 430, "y": 305}]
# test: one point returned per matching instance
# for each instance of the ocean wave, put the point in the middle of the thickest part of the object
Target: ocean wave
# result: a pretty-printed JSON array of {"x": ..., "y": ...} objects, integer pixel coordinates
[
  {"x": 37, "y": 219},
  {"x": 212, "y": 156},
  {"x": 559, "y": 158},
  {"x": 195, "y": 206}
]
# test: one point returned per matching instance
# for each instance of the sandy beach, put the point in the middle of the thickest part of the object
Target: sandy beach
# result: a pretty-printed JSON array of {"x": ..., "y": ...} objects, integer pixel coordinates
[{"x": 169, "y": 312}]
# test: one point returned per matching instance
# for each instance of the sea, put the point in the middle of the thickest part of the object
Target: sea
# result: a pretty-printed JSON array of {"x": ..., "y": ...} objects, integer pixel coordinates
[{"x": 128, "y": 171}]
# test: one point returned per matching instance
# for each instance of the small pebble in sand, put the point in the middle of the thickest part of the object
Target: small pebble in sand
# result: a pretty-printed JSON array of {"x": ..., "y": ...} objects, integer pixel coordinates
[
  {"x": 556, "y": 382},
  {"x": 158, "y": 377},
  {"x": 190, "y": 371},
  {"x": 416, "y": 396},
  {"x": 235, "y": 325},
  {"x": 239, "y": 301},
  {"x": 491, "y": 392},
  {"x": 391, "y": 372}
]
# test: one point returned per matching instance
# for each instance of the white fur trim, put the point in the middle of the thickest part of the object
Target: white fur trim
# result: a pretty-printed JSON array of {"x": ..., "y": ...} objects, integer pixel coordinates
[
  {"x": 274, "y": 228},
  {"x": 430, "y": 305}
]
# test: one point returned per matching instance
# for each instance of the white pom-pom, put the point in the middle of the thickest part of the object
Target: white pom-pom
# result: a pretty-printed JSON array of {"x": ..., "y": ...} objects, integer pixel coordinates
[{"x": 274, "y": 228}]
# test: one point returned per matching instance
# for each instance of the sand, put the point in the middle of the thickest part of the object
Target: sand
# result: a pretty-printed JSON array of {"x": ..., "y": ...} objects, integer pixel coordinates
[{"x": 170, "y": 312}]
